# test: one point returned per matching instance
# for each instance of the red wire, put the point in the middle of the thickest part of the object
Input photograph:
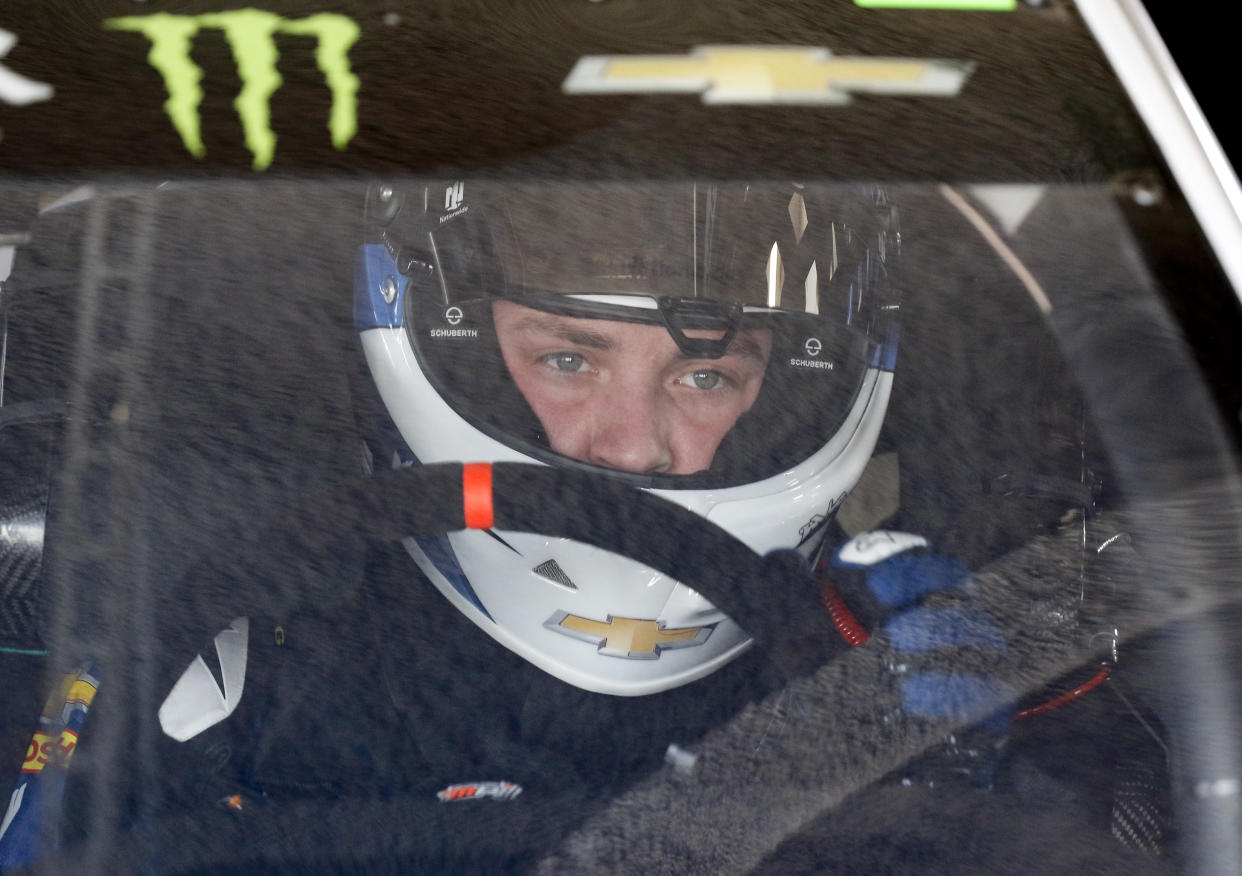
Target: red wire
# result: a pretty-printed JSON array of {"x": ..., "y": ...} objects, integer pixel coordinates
[
  {"x": 849, "y": 627},
  {"x": 1067, "y": 697}
]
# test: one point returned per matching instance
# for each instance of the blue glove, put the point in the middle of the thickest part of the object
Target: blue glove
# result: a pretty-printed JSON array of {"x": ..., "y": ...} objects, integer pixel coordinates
[{"x": 943, "y": 647}]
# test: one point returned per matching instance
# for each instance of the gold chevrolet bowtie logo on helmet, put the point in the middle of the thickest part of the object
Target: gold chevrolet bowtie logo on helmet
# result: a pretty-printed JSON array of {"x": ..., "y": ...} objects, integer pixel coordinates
[
  {"x": 765, "y": 74},
  {"x": 626, "y": 636}
]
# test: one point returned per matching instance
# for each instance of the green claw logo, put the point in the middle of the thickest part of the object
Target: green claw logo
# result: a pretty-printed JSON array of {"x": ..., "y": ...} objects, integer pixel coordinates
[{"x": 250, "y": 35}]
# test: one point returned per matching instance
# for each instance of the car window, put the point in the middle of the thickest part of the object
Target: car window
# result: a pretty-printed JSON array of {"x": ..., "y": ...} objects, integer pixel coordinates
[{"x": 607, "y": 436}]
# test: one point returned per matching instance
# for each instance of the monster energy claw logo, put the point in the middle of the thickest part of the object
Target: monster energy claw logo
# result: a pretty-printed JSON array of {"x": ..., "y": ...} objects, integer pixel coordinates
[{"x": 250, "y": 35}]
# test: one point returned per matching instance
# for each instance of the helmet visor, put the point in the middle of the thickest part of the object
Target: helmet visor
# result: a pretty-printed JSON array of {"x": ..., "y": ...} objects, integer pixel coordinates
[{"x": 677, "y": 333}]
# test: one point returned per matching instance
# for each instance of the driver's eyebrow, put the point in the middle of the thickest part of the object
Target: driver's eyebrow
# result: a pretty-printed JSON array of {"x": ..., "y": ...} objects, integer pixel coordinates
[
  {"x": 745, "y": 345},
  {"x": 742, "y": 344},
  {"x": 568, "y": 333}
]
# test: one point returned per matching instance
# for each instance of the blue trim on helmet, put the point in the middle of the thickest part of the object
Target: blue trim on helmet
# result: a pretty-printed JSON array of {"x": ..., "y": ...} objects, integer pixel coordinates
[
  {"x": 436, "y": 546},
  {"x": 375, "y": 266},
  {"x": 884, "y": 356},
  {"x": 440, "y": 552}
]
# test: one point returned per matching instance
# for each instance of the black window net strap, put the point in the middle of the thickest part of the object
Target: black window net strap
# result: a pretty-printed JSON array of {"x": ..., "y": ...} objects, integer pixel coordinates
[
  {"x": 773, "y": 597},
  {"x": 310, "y": 556}
]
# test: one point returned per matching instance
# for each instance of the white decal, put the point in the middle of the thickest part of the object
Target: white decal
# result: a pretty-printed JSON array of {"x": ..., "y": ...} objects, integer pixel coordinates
[
  {"x": 15, "y": 89},
  {"x": 870, "y": 548},
  {"x": 15, "y": 804},
  {"x": 454, "y": 195},
  {"x": 479, "y": 791},
  {"x": 1010, "y": 203},
  {"x": 196, "y": 701}
]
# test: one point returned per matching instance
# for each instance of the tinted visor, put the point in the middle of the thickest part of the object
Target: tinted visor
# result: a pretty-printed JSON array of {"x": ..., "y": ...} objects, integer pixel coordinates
[{"x": 796, "y": 279}]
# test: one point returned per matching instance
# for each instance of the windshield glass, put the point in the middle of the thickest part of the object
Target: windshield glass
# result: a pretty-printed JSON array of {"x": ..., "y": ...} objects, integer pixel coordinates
[{"x": 606, "y": 437}]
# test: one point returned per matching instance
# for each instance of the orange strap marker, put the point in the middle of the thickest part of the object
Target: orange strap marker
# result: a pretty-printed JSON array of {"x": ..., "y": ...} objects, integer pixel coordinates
[{"x": 476, "y": 494}]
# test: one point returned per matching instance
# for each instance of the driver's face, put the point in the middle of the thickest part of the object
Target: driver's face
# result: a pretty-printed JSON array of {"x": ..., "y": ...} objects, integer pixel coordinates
[{"x": 622, "y": 394}]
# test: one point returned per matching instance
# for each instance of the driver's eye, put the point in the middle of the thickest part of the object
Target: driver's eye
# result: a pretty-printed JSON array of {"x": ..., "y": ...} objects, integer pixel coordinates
[
  {"x": 566, "y": 361},
  {"x": 705, "y": 379}
]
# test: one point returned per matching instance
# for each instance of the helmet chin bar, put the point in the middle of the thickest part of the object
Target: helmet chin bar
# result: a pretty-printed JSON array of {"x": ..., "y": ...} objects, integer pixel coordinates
[{"x": 773, "y": 597}]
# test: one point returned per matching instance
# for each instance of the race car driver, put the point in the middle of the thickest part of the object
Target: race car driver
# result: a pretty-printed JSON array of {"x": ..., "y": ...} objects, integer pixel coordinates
[{"x": 729, "y": 347}]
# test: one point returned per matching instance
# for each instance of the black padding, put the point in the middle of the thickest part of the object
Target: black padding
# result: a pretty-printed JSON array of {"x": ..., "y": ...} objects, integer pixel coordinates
[{"x": 774, "y": 598}]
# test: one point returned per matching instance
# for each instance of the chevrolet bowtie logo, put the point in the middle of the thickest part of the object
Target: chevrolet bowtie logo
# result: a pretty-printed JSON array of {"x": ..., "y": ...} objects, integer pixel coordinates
[
  {"x": 765, "y": 74},
  {"x": 627, "y": 636}
]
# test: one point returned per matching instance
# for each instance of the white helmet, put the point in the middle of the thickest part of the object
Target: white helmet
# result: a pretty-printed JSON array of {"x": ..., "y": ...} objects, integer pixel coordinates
[{"x": 806, "y": 269}]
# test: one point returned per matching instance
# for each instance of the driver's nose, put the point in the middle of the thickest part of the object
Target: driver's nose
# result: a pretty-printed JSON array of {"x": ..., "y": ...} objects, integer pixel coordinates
[{"x": 630, "y": 432}]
